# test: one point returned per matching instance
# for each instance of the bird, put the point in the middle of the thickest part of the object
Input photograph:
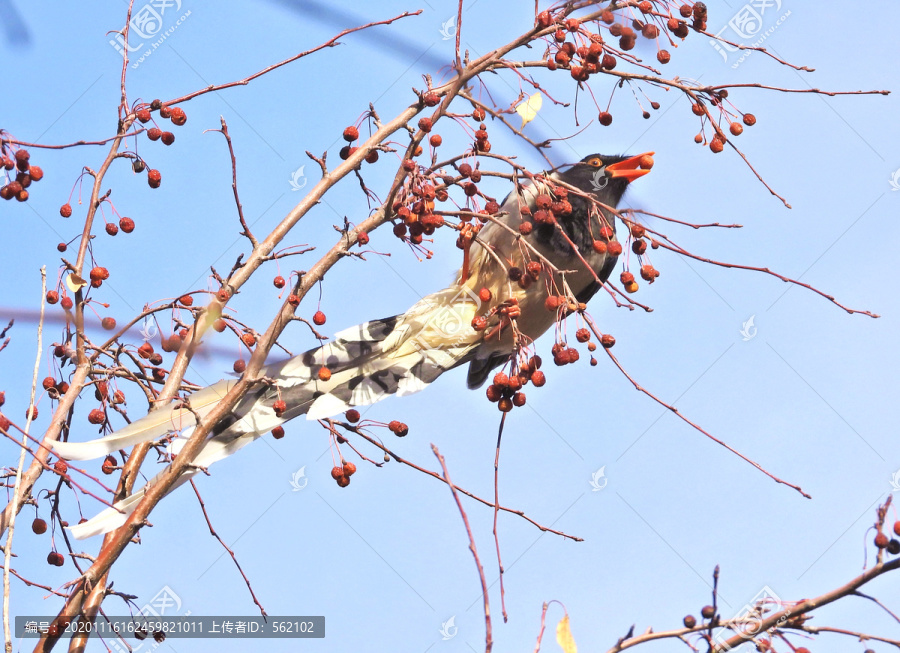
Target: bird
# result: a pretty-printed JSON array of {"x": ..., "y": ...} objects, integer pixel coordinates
[{"x": 541, "y": 243}]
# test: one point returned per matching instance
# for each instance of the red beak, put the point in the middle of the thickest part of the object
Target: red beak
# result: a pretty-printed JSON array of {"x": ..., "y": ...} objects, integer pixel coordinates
[{"x": 631, "y": 169}]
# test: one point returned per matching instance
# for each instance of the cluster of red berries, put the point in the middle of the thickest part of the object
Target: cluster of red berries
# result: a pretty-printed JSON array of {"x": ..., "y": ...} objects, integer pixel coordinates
[
  {"x": 416, "y": 205},
  {"x": 891, "y": 544},
  {"x": 143, "y": 114},
  {"x": 506, "y": 389},
  {"x": 588, "y": 53},
  {"x": 351, "y": 133},
  {"x": 342, "y": 473},
  {"x": 56, "y": 559},
  {"x": 25, "y": 173},
  {"x": 398, "y": 428},
  {"x": 639, "y": 246},
  {"x": 717, "y": 99},
  {"x": 482, "y": 144}
]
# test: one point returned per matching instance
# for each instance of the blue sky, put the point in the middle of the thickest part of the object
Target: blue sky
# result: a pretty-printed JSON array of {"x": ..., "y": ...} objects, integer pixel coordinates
[{"x": 812, "y": 396}]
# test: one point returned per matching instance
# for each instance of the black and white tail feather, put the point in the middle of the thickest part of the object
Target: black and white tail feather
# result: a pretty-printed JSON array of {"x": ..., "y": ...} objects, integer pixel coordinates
[{"x": 399, "y": 356}]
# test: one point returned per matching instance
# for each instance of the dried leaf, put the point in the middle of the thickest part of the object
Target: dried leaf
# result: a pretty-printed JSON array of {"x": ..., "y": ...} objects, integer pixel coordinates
[
  {"x": 530, "y": 107},
  {"x": 564, "y": 636}
]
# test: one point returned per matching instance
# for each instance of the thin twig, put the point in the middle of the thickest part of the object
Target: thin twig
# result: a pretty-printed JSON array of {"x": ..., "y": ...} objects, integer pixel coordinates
[
  {"x": 12, "y": 522},
  {"x": 696, "y": 426},
  {"x": 488, "y": 641},
  {"x": 496, "y": 512},
  {"x": 212, "y": 531}
]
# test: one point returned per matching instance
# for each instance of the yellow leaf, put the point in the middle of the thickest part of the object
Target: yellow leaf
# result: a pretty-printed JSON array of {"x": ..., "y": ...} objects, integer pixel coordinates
[
  {"x": 74, "y": 282},
  {"x": 564, "y": 636},
  {"x": 530, "y": 107}
]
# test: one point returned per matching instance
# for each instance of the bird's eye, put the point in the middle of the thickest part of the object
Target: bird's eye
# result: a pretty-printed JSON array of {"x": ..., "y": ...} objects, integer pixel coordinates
[{"x": 595, "y": 162}]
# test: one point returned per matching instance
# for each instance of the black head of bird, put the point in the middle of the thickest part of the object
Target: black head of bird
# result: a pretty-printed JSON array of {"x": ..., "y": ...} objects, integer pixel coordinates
[{"x": 605, "y": 177}]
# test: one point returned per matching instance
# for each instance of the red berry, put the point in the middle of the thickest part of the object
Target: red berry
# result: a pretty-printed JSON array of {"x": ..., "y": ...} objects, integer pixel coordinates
[
  {"x": 31, "y": 412},
  {"x": 67, "y": 303},
  {"x": 179, "y": 117},
  {"x": 223, "y": 295},
  {"x": 431, "y": 99},
  {"x": 279, "y": 407},
  {"x": 293, "y": 300},
  {"x": 239, "y": 366},
  {"x": 52, "y": 296},
  {"x": 479, "y": 323},
  {"x": 398, "y": 428},
  {"x": 109, "y": 465},
  {"x": 48, "y": 383},
  {"x": 165, "y": 112},
  {"x": 219, "y": 325},
  {"x": 881, "y": 540},
  {"x": 351, "y": 134},
  {"x": 372, "y": 156},
  {"x": 154, "y": 178},
  {"x": 39, "y": 526},
  {"x": 599, "y": 246},
  {"x": 126, "y": 225},
  {"x": 154, "y": 133},
  {"x": 749, "y": 119},
  {"x": 485, "y": 295},
  {"x": 362, "y": 238},
  {"x": 582, "y": 335},
  {"x": 96, "y": 416},
  {"x": 607, "y": 340},
  {"x": 60, "y": 467},
  {"x": 605, "y": 118},
  {"x": 167, "y": 138},
  {"x": 663, "y": 56},
  {"x": 349, "y": 469},
  {"x": 736, "y": 129},
  {"x": 278, "y": 432},
  {"x": 435, "y": 140},
  {"x": 143, "y": 115},
  {"x": 519, "y": 399},
  {"x": 352, "y": 416},
  {"x": 525, "y": 228},
  {"x": 112, "y": 228},
  {"x": 319, "y": 318},
  {"x": 708, "y": 612},
  {"x": 36, "y": 173},
  {"x": 186, "y": 300},
  {"x": 248, "y": 339},
  {"x": 538, "y": 379},
  {"x": 108, "y": 323},
  {"x": 716, "y": 145},
  {"x": 544, "y": 20},
  {"x": 324, "y": 373}
]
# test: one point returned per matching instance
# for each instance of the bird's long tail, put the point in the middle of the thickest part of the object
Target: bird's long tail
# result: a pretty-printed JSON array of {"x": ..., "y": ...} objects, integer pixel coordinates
[{"x": 365, "y": 364}]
